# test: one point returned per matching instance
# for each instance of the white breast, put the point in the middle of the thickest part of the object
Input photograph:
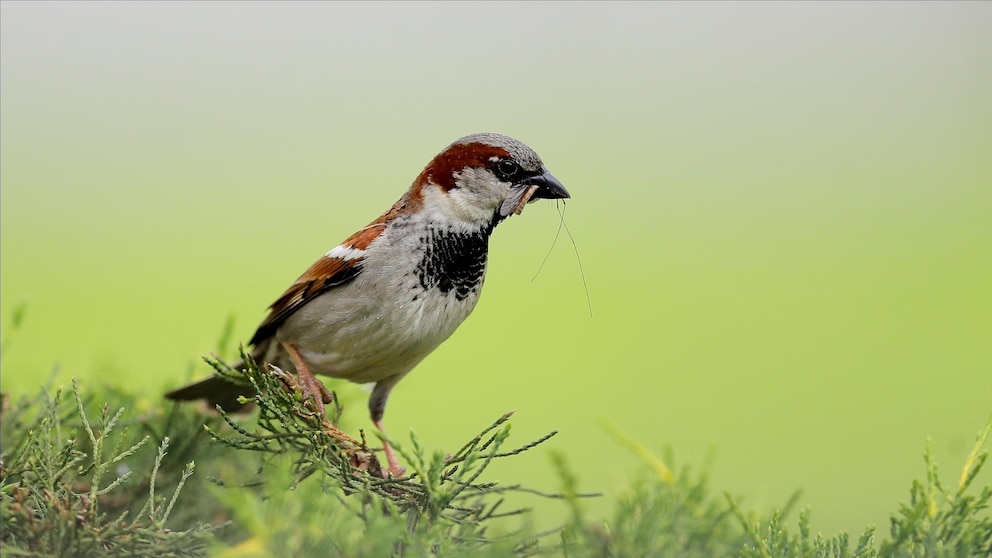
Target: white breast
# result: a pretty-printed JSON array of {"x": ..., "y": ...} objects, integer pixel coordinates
[{"x": 383, "y": 322}]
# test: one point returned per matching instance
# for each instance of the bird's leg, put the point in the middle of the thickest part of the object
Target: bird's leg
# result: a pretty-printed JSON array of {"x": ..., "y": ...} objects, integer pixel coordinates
[
  {"x": 377, "y": 408},
  {"x": 317, "y": 392},
  {"x": 314, "y": 390},
  {"x": 394, "y": 464},
  {"x": 311, "y": 386}
]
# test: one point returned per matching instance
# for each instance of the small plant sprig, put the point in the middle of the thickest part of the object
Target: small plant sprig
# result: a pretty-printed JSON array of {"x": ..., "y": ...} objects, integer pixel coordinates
[
  {"x": 938, "y": 522},
  {"x": 942, "y": 520},
  {"x": 443, "y": 495},
  {"x": 55, "y": 499},
  {"x": 662, "y": 513},
  {"x": 667, "y": 514}
]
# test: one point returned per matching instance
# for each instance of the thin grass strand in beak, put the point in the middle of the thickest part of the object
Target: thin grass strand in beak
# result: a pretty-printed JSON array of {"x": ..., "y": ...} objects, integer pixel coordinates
[{"x": 575, "y": 248}]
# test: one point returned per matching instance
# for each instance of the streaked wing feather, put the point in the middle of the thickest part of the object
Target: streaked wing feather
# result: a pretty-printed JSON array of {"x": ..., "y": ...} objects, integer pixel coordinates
[{"x": 325, "y": 274}]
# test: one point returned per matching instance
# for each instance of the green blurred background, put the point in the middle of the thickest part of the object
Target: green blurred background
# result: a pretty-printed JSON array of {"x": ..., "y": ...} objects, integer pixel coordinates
[{"x": 784, "y": 213}]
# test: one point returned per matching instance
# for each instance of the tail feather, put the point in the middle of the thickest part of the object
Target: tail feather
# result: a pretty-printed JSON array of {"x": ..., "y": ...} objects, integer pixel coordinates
[{"x": 217, "y": 391}]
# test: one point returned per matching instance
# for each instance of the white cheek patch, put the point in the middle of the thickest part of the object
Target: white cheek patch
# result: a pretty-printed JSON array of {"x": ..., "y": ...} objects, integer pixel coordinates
[
  {"x": 345, "y": 253},
  {"x": 460, "y": 208}
]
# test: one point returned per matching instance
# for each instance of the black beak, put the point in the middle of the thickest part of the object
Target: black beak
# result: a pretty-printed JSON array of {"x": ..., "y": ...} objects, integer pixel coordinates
[{"x": 548, "y": 187}]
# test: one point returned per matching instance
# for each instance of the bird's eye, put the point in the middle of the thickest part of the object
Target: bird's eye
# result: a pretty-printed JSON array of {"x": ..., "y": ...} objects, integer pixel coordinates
[{"x": 507, "y": 168}]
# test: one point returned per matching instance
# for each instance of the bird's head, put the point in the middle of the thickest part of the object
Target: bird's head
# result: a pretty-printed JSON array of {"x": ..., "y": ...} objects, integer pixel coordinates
[{"x": 482, "y": 179}]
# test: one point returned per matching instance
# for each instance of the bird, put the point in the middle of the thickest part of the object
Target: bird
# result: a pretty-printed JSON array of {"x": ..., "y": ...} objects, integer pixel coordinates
[{"x": 374, "y": 306}]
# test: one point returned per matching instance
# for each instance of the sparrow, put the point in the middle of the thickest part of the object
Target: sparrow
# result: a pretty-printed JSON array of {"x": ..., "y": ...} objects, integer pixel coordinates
[{"x": 374, "y": 306}]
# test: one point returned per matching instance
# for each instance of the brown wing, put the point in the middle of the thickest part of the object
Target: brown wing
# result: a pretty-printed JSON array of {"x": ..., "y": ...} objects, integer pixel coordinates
[
  {"x": 329, "y": 271},
  {"x": 326, "y": 273}
]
